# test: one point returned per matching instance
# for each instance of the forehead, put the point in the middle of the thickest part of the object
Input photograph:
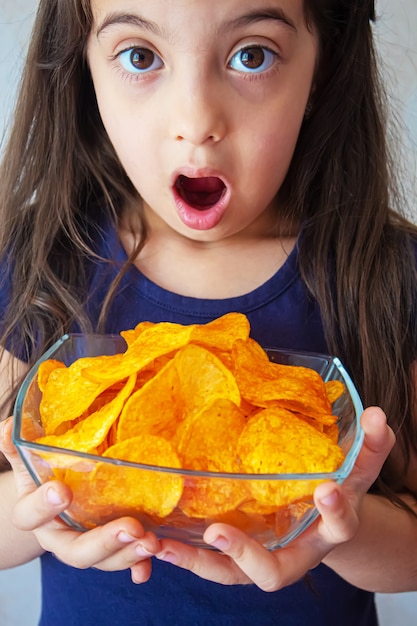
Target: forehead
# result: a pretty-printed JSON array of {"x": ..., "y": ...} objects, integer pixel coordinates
[{"x": 208, "y": 13}]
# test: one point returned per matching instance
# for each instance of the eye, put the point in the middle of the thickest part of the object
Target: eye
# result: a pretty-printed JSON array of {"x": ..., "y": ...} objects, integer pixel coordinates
[
  {"x": 140, "y": 60},
  {"x": 253, "y": 59}
]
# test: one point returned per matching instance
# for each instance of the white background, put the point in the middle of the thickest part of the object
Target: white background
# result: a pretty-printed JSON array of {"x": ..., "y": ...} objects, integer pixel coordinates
[{"x": 396, "y": 33}]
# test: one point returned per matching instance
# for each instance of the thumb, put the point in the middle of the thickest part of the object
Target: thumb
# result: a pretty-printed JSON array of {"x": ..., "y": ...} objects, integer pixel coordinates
[{"x": 378, "y": 442}]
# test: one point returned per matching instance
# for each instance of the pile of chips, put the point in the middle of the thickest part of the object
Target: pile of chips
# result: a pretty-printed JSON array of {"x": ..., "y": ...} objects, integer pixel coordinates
[{"x": 204, "y": 398}]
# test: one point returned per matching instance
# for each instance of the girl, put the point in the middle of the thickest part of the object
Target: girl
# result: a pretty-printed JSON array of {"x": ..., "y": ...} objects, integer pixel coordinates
[{"x": 175, "y": 160}]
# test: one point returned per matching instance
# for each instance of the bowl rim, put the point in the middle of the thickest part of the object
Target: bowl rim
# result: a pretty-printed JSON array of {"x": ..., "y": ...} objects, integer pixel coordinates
[{"x": 339, "y": 475}]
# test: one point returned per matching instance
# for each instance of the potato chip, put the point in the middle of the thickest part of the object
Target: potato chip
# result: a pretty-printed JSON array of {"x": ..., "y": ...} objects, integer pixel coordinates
[
  {"x": 221, "y": 333},
  {"x": 131, "y": 335},
  {"x": 88, "y": 434},
  {"x": 251, "y": 506},
  {"x": 208, "y": 497},
  {"x": 150, "y": 491},
  {"x": 266, "y": 384},
  {"x": 199, "y": 449},
  {"x": 331, "y": 431},
  {"x": 68, "y": 394},
  {"x": 45, "y": 368},
  {"x": 192, "y": 379},
  {"x": 199, "y": 435},
  {"x": 250, "y": 523},
  {"x": 155, "y": 341},
  {"x": 153, "y": 409},
  {"x": 276, "y": 442},
  {"x": 334, "y": 390},
  {"x": 204, "y": 379}
]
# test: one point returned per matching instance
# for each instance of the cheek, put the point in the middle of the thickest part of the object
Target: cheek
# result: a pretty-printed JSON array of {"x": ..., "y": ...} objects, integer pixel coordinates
[
  {"x": 273, "y": 149},
  {"x": 129, "y": 139}
]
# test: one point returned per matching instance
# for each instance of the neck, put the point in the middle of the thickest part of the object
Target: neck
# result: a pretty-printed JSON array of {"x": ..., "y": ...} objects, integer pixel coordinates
[{"x": 215, "y": 270}]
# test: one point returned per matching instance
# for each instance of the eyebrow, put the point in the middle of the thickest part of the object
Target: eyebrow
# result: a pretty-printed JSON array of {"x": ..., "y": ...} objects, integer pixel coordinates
[
  {"x": 127, "y": 18},
  {"x": 257, "y": 15},
  {"x": 274, "y": 14}
]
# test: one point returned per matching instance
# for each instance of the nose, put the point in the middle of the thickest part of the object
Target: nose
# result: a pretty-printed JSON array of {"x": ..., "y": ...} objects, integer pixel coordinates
[{"x": 199, "y": 113}]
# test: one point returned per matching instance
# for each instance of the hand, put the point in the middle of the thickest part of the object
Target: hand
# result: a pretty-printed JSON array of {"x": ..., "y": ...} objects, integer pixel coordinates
[
  {"x": 118, "y": 545},
  {"x": 243, "y": 560}
]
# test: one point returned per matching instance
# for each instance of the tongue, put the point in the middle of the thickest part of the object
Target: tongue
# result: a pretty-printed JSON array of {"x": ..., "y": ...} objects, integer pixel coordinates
[{"x": 201, "y": 193}]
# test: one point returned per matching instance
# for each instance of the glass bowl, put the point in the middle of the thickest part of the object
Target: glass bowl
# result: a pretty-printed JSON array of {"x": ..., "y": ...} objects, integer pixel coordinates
[{"x": 97, "y": 482}]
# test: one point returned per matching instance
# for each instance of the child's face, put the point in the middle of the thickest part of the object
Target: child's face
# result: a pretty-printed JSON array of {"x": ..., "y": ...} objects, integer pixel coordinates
[{"x": 203, "y": 101}]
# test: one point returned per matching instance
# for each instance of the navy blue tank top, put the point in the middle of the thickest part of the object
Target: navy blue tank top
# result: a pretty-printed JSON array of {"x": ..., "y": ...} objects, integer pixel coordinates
[{"x": 282, "y": 315}]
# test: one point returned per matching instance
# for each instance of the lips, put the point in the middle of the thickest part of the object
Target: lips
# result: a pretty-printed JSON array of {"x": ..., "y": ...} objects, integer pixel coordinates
[{"x": 200, "y": 193}]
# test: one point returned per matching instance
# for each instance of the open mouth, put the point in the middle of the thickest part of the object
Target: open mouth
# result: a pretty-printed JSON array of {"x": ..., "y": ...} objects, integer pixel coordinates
[{"x": 200, "y": 193}]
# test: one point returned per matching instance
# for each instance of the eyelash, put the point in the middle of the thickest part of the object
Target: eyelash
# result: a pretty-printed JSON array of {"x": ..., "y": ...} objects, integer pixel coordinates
[
  {"x": 273, "y": 58},
  {"x": 131, "y": 76},
  {"x": 247, "y": 76}
]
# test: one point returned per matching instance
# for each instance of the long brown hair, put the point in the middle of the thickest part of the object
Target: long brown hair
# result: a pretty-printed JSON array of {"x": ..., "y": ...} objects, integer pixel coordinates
[{"x": 356, "y": 253}]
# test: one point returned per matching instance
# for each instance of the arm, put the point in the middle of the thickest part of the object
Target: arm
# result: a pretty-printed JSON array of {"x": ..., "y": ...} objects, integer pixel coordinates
[
  {"x": 16, "y": 546},
  {"x": 364, "y": 538},
  {"x": 28, "y": 515},
  {"x": 29, "y": 522},
  {"x": 388, "y": 532},
  {"x": 383, "y": 554}
]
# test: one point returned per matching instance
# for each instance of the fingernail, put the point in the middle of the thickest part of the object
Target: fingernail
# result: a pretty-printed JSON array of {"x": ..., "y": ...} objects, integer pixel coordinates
[
  {"x": 53, "y": 497},
  {"x": 168, "y": 557},
  {"x": 142, "y": 551},
  {"x": 220, "y": 542},
  {"x": 124, "y": 537},
  {"x": 331, "y": 499}
]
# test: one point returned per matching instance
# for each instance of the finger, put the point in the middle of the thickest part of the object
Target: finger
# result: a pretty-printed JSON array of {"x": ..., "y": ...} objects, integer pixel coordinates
[
  {"x": 6, "y": 443},
  {"x": 208, "y": 564},
  {"x": 40, "y": 506},
  {"x": 141, "y": 572},
  {"x": 34, "y": 507},
  {"x": 272, "y": 571},
  {"x": 256, "y": 563},
  {"x": 136, "y": 556},
  {"x": 339, "y": 519},
  {"x": 241, "y": 561},
  {"x": 379, "y": 437},
  {"x": 96, "y": 547},
  {"x": 23, "y": 480},
  {"x": 378, "y": 442}
]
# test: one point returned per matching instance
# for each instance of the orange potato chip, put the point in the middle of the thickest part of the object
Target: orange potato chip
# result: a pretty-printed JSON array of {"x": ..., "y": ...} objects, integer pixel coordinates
[
  {"x": 267, "y": 384},
  {"x": 204, "y": 379},
  {"x": 153, "y": 492},
  {"x": 199, "y": 435},
  {"x": 153, "y": 342},
  {"x": 88, "y": 434},
  {"x": 310, "y": 420},
  {"x": 68, "y": 394},
  {"x": 131, "y": 335},
  {"x": 221, "y": 333},
  {"x": 331, "y": 431},
  {"x": 192, "y": 379},
  {"x": 198, "y": 449},
  {"x": 153, "y": 409},
  {"x": 334, "y": 389},
  {"x": 274, "y": 441},
  {"x": 45, "y": 368}
]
